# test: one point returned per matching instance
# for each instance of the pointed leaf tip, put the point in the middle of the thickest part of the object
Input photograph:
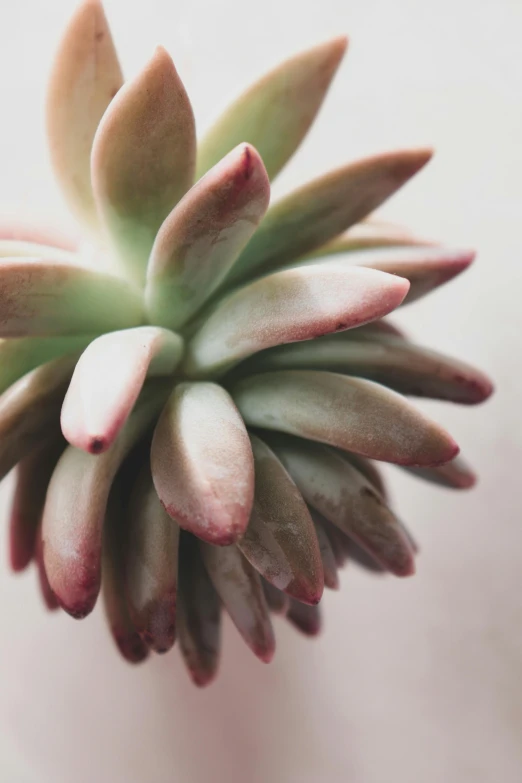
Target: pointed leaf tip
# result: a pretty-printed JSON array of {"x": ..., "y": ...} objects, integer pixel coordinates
[
  {"x": 151, "y": 565},
  {"x": 239, "y": 587},
  {"x": 287, "y": 307},
  {"x": 75, "y": 508},
  {"x": 425, "y": 267},
  {"x": 135, "y": 184},
  {"x": 108, "y": 379},
  {"x": 346, "y": 499},
  {"x": 392, "y": 361},
  {"x": 276, "y": 112},
  {"x": 191, "y": 256},
  {"x": 322, "y": 209},
  {"x": 44, "y": 298},
  {"x": 85, "y": 77},
  {"x": 202, "y": 463},
  {"x": 280, "y": 540},
  {"x": 198, "y": 615},
  {"x": 350, "y": 413}
]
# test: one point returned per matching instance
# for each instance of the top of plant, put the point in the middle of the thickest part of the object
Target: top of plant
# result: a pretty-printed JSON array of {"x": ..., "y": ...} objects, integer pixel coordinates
[{"x": 239, "y": 344}]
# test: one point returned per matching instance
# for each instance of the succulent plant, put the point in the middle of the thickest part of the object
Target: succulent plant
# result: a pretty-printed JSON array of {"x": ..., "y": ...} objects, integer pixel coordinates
[{"x": 194, "y": 396}]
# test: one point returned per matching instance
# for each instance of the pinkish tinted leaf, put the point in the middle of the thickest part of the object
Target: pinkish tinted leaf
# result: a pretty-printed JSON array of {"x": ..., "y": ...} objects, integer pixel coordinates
[
  {"x": 320, "y": 210},
  {"x": 289, "y": 306},
  {"x": 143, "y": 160},
  {"x": 75, "y": 508},
  {"x": 202, "y": 463},
  {"x": 350, "y": 413},
  {"x": 151, "y": 569},
  {"x": 191, "y": 255},
  {"x": 346, "y": 499},
  {"x": 394, "y": 362},
  {"x": 198, "y": 616},
  {"x": 280, "y": 540},
  {"x": 239, "y": 587},
  {"x": 275, "y": 113},
  {"x": 45, "y": 298},
  {"x": 108, "y": 379},
  {"x": 85, "y": 78}
]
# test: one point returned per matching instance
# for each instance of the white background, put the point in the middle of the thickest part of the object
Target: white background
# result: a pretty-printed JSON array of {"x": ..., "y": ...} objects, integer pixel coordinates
[{"x": 417, "y": 681}]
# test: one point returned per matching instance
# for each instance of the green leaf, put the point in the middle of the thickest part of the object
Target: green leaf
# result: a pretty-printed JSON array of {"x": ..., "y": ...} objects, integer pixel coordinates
[
  {"x": 346, "y": 499},
  {"x": 202, "y": 237},
  {"x": 75, "y": 509},
  {"x": 46, "y": 298},
  {"x": 280, "y": 540},
  {"x": 275, "y": 113},
  {"x": 394, "y": 362},
  {"x": 143, "y": 159},
  {"x": 319, "y": 211},
  {"x": 202, "y": 463},
  {"x": 109, "y": 377},
  {"x": 239, "y": 587},
  {"x": 85, "y": 78},
  {"x": 289, "y": 306},
  {"x": 350, "y": 413},
  {"x": 198, "y": 615},
  {"x": 151, "y": 569}
]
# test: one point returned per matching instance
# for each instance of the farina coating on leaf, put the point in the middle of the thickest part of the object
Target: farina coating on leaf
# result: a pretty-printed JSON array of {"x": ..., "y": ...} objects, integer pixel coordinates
[{"x": 219, "y": 365}]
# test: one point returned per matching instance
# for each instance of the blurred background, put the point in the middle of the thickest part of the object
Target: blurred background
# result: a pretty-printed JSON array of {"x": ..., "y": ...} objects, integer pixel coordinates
[{"x": 417, "y": 681}]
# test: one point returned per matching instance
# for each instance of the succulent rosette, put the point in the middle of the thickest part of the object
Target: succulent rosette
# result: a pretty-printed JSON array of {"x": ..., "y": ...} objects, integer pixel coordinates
[{"x": 195, "y": 396}]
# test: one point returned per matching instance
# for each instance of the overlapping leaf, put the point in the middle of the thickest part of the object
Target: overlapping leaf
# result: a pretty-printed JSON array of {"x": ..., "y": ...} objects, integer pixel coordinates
[
  {"x": 350, "y": 413},
  {"x": 275, "y": 113},
  {"x": 322, "y": 209},
  {"x": 202, "y": 463},
  {"x": 108, "y": 379},
  {"x": 143, "y": 159},
  {"x": 289, "y": 306},
  {"x": 202, "y": 237}
]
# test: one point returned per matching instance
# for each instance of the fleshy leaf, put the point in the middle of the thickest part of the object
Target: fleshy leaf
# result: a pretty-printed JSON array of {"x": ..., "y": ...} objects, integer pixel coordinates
[
  {"x": 12, "y": 248},
  {"x": 27, "y": 232},
  {"x": 19, "y": 356},
  {"x": 369, "y": 234},
  {"x": 85, "y": 78},
  {"x": 360, "y": 557},
  {"x": 370, "y": 471},
  {"x": 322, "y": 209},
  {"x": 378, "y": 330},
  {"x": 339, "y": 543},
  {"x": 126, "y": 637},
  {"x": 277, "y": 601},
  {"x": 306, "y": 619},
  {"x": 108, "y": 379},
  {"x": 455, "y": 474},
  {"x": 143, "y": 159},
  {"x": 289, "y": 306},
  {"x": 32, "y": 477},
  {"x": 40, "y": 297},
  {"x": 239, "y": 587},
  {"x": 425, "y": 267},
  {"x": 331, "y": 578},
  {"x": 401, "y": 365},
  {"x": 346, "y": 499},
  {"x": 203, "y": 235},
  {"x": 280, "y": 540},
  {"x": 151, "y": 572},
  {"x": 46, "y": 592},
  {"x": 202, "y": 463},
  {"x": 75, "y": 509},
  {"x": 198, "y": 615},
  {"x": 275, "y": 113},
  {"x": 30, "y": 411},
  {"x": 350, "y": 413}
]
